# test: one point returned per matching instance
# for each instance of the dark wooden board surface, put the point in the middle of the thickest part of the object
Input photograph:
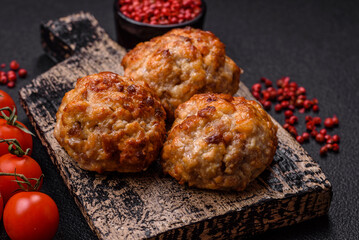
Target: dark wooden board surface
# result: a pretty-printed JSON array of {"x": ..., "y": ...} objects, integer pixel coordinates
[{"x": 149, "y": 204}]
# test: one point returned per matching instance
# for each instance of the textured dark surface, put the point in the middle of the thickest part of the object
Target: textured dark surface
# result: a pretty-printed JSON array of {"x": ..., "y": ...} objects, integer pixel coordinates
[{"x": 314, "y": 42}]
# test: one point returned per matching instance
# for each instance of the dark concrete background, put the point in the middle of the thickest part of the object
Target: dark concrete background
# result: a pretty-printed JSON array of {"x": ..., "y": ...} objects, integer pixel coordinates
[{"x": 316, "y": 43}]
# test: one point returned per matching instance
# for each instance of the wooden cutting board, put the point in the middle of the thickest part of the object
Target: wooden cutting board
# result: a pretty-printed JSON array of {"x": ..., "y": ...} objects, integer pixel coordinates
[{"x": 150, "y": 205}]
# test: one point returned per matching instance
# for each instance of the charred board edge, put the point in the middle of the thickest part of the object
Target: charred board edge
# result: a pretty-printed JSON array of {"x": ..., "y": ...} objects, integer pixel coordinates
[
  {"x": 249, "y": 221},
  {"x": 52, "y": 153}
]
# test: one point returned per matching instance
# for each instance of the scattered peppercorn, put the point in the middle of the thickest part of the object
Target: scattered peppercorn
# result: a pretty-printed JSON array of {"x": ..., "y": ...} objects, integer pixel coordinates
[
  {"x": 335, "y": 147},
  {"x": 323, "y": 150},
  {"x": 328, "y": 123},
  {"x": 336, "y": 138},
  {"x": 300, "y": 139},
  {"x": 305, "y": 136},
  {"x": 9, "y": 78},
  {"x": 22, "y": 73},
  {"x": 11, "y": 84},
  {"x": 291, "y": 97},
  {"x": 319, "y": 138},
  {"x": 14, "y": 65}
]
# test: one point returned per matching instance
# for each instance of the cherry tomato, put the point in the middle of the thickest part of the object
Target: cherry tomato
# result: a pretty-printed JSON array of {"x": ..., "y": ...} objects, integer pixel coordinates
[
  {"x": 1, "y": 206},
  {"x": 6, "y": 101},
  {"x": 24, "y": 165},
  {"x": 9, "y": 131},
  {"x": 31, "y": 216}
]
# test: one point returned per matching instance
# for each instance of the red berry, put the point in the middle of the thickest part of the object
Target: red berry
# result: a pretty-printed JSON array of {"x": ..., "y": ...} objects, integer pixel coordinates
[
  {"x": 314, "y": 133},
  {"x": 335, "y": 120},
  {"x": 267, "y": 105},
  {"x": 263, "y": 79},
  {"x": 14, "y": 65},
  {"x": 317, "y": 120},
  {"x": 293, "y": 130},
  {"x": 336, "y": 138},
  {"x": 323, "y": 131},
  {"x": 306, "y": 136},
  {"x": 284, "y": 104},
  {"x": 286, "y": 125},
  {"x": 335, "y": 147},
  {"x": 278, "y": 107},
  {"x": 257, "y": 95},
  {"x": 3, "y": 65},
  {"x": 302, "y": 97},
  {"x": 280, "y": 91},
  {"x": 300, "y": 91},
  {"x": 330, "y": 141},
  {"x": 11, "y": 84},
  {"x": 315, "y": 101},
  {"x": 256, "y": 87},
  {"x": 302, "y": 110},
  {"x": 315, "y": 108},
  {"x": 307, "y": 104},
  {"x": 300, "y": 139},
  {"x": 329, "y": 146},
  {"x": 293, "y": 85},
  {"x": 286, "y": 80},
  {"x": 9, "y": 73},
  {"x": 323, "y": 151},
  {"x": 268, "y": 83},
  {"x": 288, "y": 113},
  {"x": 328, "y": 123},
  {"x": 291, "y": 107},
  {"x": 280, "y": 83},
  {"x": 327, "y": 137},
  {"x": 3, "y": 79},
  {"x": 319, "y": 138},
  {"x": 310, "y": 126},
  {"x": 293, "y": 120},
  {"x": 273, "y": 95},
  {"x": 22, "y": 73},
  {"x": 299, "y": 103},
  {"x": 266, "y": 95},
  {"x": 308, "y": 118},
  {"x": 280, "y": 98},
  {"x": 12, "y": 78}
]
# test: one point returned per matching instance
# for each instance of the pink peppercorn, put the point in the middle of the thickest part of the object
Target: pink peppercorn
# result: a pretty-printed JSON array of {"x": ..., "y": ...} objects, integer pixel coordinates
[
  {"x": 300, "y": 139},
  {"x": 335, "y": 147},
  {"x": 14, "y": 65},
  {"x": 319, "y": 138},
  {"x": 305, "y": 136},
  {"x": 11, "y": 84},
  {"x": 22, "y": 73},
  {"x": 323, "y": 151},
  {"x": 256, "y": 87},
  {"x": 328, "y": 123},
  {"x": 336, "y": 138}
]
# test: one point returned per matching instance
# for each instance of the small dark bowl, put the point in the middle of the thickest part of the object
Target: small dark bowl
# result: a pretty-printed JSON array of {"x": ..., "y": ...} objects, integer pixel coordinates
[{"x": 131, "y": 32}]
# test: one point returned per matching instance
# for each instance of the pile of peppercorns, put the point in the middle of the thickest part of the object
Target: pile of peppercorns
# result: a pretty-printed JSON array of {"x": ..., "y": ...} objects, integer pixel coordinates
[
  {"x": 289, "y": 97},
  {"x": 9, "y": 78},
  {"x": 160, "y": 11}
]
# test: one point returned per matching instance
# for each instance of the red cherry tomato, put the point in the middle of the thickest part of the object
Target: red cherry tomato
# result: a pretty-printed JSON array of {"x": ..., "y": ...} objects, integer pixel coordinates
[
  {"x": 1, "y": 206},
  {"x": 31, "y": 216},
  {"x": 9, "y": 132},
  {"x": 6, "y": 101},
  {"x": 24, "y": 165}
]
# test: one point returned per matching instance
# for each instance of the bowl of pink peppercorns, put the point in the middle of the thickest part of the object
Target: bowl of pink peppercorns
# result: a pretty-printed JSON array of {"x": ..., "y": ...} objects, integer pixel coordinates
[{"x": 140, "y": 20}]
